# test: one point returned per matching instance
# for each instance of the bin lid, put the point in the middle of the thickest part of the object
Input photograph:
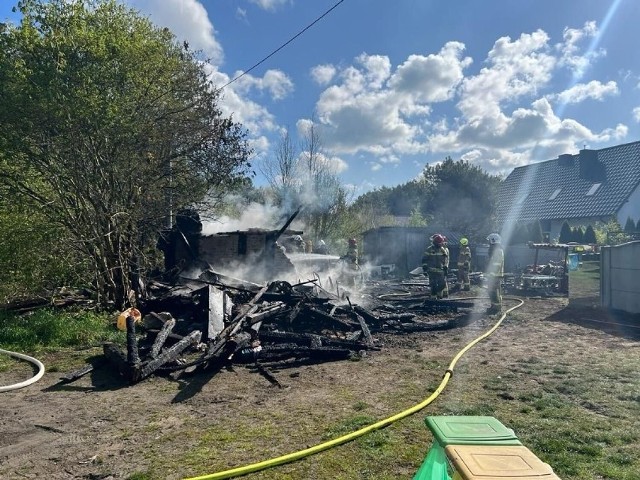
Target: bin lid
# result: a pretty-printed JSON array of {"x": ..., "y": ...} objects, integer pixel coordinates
[
  {"x": 498, "y": 462},
  {"x": 470, "y": 430}
]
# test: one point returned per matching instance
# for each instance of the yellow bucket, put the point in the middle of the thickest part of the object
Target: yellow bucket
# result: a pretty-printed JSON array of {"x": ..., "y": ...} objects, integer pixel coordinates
[{"x": 121, "y": 323}]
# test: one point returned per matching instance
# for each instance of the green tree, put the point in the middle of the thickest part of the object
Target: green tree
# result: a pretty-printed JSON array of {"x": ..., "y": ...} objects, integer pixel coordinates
[
  {"x": 464, "y": 197},
  {"x": 109, "y": 126},
  {"x": 520, "y": 234},
  {"x": 416, "y": 219},
  {"x": 577, "y": 234},
  {"x": 565, "y": 233},
  {"x": 590, "y": 236},
  {"x": 535, "y": 232},
  {"x": 629, "y": 226}
]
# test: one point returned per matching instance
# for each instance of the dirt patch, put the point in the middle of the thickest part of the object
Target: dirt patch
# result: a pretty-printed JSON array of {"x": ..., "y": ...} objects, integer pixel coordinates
[{"x": 99, "y": 428}]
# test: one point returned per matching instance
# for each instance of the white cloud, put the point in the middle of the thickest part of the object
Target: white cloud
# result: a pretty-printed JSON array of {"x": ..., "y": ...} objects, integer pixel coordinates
[
  {"x": 569, "y": 49},
  {"x": 517, "y": 68},
  {"x": 188, "y": 20},
  {"x": 323, "y": 74},
  {"x": 241, "y": 14},
  {"x": 370, "y": 107},
  {"x": 276, "y": 82},
  {"x": 636, "y": 114},
  {"x": 432, "y": 78},
  {"x": 593, "y": 90},
  {"x": 269, "y": 5},
  {"x": 375, "y": 167}
]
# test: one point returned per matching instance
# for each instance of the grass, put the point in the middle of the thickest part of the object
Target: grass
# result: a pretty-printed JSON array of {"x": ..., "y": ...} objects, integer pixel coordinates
[
  {"x": 571, "y": 395},
  {"x": 49, "y": 331}
]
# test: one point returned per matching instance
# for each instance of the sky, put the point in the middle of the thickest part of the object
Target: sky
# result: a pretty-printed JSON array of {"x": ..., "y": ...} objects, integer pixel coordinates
[{"x": 394, "y": 85}]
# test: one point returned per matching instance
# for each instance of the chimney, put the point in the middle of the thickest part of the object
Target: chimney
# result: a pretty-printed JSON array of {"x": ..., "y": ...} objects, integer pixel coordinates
[
  {"x": 565, "y": 160},
  {"x": 591, "y": 168}
]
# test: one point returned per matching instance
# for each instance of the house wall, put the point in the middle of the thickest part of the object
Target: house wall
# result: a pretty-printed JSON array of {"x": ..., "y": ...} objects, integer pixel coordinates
[
  {"x": 630, "y": 209},
  {"x": 243, "y": 254},
  {"x": 619, "y": 274}
]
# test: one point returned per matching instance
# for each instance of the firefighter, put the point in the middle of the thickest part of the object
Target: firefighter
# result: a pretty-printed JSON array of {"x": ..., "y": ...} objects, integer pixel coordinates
[
  {"x": 322, "y": 248},
  {"x": 435, "y": 263},
  {"x": 495, "y": 272},
  {"x": 351, "y": 260},
  {"x": 464, "y": 264}
]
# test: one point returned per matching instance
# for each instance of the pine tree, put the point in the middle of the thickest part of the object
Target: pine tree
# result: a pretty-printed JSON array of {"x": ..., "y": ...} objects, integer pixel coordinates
[
  {"x": 590, "y": 236},
  {"x": 535, "y": 232},
  {"x": 565, "y": 233},
  {"x": 630, "y": 226}
]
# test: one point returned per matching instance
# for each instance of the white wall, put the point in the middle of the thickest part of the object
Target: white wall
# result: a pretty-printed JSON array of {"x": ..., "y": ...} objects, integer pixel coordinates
[
  {"x": 620, "y": 277},
  {"x": 630, "y": 209}
]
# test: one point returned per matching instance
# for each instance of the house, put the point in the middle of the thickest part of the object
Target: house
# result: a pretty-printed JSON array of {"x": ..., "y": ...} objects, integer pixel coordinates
[{"x": 594, "y": 185}]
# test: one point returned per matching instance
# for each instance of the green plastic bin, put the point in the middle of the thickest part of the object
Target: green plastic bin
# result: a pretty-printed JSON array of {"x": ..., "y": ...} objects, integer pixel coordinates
[{"x": 470, "y": 430}]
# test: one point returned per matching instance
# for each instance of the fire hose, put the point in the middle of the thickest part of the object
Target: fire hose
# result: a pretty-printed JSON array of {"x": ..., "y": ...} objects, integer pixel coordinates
[
  {"x": 33, "y": 379},
  {"x": 256, "y": 467}
]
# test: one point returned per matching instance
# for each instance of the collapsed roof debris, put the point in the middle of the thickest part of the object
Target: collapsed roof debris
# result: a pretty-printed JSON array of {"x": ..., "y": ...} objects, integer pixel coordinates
[{"x": 201, "y": 318}]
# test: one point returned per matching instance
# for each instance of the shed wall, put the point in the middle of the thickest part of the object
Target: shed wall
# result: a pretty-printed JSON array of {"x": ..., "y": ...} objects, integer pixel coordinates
[{"x": 620, "y": 277}]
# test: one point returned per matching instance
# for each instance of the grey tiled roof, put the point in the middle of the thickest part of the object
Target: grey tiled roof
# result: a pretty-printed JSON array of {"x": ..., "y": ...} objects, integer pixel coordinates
[{"x": 525, "y": 194}]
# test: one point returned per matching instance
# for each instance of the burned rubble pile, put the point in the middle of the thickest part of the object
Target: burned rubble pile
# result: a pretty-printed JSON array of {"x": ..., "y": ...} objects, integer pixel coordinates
[{"x": 214, "y": 320}]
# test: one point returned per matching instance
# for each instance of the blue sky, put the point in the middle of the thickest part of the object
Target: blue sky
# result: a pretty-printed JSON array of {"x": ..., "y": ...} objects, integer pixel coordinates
[{"x": 392, "y": 85}]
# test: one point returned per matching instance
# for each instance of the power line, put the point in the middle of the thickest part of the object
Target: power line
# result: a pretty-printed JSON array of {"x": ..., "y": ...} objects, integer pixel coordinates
[{"x": 284, "y": 44}]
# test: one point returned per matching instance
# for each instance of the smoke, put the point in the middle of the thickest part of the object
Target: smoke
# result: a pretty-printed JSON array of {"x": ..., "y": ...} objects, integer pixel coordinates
[{"x": 253, "y": 215}]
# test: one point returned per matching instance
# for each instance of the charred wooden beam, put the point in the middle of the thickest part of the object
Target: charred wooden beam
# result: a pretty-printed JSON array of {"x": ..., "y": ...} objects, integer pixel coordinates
[
  {"x": 365, "y": 330},
  {"x": 169, "y": 355},
  {"x": 133, "y": 357},
  {"x": 76, "y": 374},
  {"x": 308, "y": 339},
  {"x": 161, "y": 338},
  {"x": 328, "y": 319}
]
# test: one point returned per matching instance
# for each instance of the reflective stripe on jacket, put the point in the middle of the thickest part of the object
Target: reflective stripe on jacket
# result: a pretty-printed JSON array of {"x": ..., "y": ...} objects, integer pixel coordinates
[{"x": 435, "y": 259}]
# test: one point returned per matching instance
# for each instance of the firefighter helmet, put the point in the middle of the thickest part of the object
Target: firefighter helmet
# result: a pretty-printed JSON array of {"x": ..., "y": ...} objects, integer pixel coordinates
[
  {"x": 464, "y": 241},
  {"x": 494, "y": 238},
  {"x": 438, "y": 239}
]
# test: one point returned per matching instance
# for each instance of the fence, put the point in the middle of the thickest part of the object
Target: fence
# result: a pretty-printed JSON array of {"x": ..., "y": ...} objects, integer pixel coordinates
[{"x": 619, "y": 277}]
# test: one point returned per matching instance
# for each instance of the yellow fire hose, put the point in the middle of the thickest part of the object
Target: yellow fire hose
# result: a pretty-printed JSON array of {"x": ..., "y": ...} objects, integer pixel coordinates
[{"x": 256, "y": 467}]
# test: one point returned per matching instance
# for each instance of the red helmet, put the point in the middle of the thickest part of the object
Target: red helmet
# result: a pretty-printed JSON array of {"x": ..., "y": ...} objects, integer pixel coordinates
[
  {"x": 352, "y": 241},
  {"x": 438, "y": 239}
]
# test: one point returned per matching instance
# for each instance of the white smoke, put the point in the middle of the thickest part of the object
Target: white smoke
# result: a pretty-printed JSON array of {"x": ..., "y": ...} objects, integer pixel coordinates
[{"x": 253, "y": 215}]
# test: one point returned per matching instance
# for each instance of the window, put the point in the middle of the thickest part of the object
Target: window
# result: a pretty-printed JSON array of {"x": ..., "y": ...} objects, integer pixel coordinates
[
  {"x": 594, "y": 188},
  {"x": 555, "y": 194}
]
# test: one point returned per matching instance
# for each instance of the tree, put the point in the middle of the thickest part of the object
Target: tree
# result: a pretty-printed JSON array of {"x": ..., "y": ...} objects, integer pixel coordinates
[
  {"x": 520, "y": 234},
  {"x": 464, "y": 196},
  {"x": 590, "y": 236},
  {"x": 577, "y": 235},
  {"x": 535, "y": 232},
  {"x": 565, "y": 233},
  {"x": 629, "y": 226},
  {"x": 109, "y": 126},
  {"x": 416, "y": 219},
  {"x": 281, "y": 170}
]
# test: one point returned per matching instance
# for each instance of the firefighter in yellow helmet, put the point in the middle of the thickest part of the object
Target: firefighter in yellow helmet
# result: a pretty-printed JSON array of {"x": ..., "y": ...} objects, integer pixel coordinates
[
  {"x": 435, "y": 263},
  {"x": 495, "y": 272},
  {"x": 464, "y": 264}
]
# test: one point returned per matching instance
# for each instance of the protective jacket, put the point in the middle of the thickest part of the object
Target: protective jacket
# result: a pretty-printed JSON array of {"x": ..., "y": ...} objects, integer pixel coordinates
[
  {"x": 435, "y": 259},
  {"x": 464, "y": 257}
]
